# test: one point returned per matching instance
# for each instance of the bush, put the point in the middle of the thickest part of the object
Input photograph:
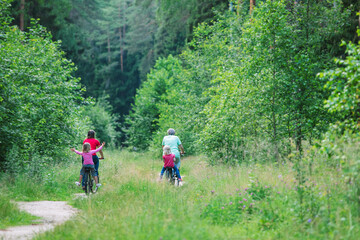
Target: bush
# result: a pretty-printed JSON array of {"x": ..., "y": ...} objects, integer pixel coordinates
[
  {"x": 40, "y": 113},
  {"x": 103, "y": 122}
]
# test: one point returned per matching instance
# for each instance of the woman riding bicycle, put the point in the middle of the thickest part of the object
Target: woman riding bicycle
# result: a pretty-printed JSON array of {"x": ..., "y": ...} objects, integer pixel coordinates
[
  {"x": 174, "y": 143},
  {"x": 87, "y": 155},
  {"x": 94, "y": 143}
]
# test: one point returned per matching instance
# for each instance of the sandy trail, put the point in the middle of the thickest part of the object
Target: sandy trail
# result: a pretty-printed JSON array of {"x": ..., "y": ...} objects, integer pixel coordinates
[{"x": 52, "y": 213}]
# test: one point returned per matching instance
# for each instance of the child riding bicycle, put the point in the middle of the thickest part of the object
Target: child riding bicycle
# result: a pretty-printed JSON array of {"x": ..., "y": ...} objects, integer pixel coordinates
[
  {"x": 169, "y": 160},
  {"x": 88, "y": 162}
]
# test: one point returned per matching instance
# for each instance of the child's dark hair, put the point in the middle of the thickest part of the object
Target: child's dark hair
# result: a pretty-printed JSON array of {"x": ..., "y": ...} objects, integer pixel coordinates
[{"x": 91, "y": 134}]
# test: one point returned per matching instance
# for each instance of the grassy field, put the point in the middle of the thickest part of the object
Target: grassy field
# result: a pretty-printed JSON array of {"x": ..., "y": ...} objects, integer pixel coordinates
[{"x": 258, "y": 201}]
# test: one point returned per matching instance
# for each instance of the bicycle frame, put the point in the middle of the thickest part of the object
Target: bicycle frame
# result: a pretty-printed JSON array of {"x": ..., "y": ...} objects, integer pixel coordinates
[
  {"x": 89, "y": 181},
  {"x": 171, "y": 176}
]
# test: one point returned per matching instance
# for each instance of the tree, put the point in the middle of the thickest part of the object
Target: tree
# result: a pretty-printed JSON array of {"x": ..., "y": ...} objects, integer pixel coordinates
[
  {"x": 344, "y": 83},
  {"x": 40, "y": 99}
]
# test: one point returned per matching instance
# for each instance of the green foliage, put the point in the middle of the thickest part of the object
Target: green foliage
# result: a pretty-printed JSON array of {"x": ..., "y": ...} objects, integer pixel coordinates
[
  {"x": 151, "y": 101},
  {"x": 344, "y": 84},
  {"x": 228, "y": 210},
  {"x": 132, "y": 205},
  {"x": 39, "y": 98},
  {"x": 103, "y": 122},
  {"x": 247, "y": 86}
]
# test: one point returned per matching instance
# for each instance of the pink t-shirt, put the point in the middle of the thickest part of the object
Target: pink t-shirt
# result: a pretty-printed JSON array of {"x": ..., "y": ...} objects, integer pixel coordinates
[
  {"x": 88, "y": 156},
  {"x": 169, "y": 160}
]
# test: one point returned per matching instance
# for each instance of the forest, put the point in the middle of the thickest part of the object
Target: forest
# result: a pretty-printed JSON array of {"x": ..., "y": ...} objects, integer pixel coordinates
[{"x": 266, "y": 84}]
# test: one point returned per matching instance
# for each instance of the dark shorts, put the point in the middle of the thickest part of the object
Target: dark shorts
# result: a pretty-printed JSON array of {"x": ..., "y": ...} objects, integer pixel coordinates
[{"x": 92, "y": 167}]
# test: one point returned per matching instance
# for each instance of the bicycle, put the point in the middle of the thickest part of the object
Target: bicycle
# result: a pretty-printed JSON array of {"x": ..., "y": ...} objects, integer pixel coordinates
[
  {"x": 89, "y": 181},
  {"x": 171, "y": 176},
  {"x": 83, "y": 181}
]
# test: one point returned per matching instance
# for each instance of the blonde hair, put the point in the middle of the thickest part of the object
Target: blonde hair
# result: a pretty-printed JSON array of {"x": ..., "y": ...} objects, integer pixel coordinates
[
  {"x": 86, "y": 147},
  {"x": 166, "y": 150}
]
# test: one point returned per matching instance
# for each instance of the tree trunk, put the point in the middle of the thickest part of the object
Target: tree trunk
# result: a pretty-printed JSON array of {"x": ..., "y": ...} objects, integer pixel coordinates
[
  {"x": 109, "y": 49},
  {"x": 22, "y": 9},
  {"x": 122, "y": 36},
  {"x": 107, "y": 84},
  {"x": 252, "y": 4}
]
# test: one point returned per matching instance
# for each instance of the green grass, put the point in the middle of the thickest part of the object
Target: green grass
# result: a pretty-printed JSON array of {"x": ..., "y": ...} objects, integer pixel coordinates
[
  {"x": 53, "y": 184},
  {"x": 133, "y": 204},
  {"x": 10, "y": 215}
]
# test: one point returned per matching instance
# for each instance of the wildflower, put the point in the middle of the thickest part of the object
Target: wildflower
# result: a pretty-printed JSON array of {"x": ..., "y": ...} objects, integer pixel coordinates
[
  {"x": 266, "y": 186},
  {"x": 245, "y": 199},
  {"x": 251, "y": 204},
  {"x": 279, "y": 176},
  {"x": 230, "y": 203},
  {"x": 239, "y": 194},
  {"x": 278, "y": 192},
  {"x": 246, "y": 189},
  {"x": 244, "y": 206},
  {"x": 237, "y": 189},
  {"x": 240, "y": 202},
  {"x": 251, "y": 194},
  {"x": 309, "y": 221},
  {"x": 212, "y": 191},
  {"x": 222, "y": 207}
]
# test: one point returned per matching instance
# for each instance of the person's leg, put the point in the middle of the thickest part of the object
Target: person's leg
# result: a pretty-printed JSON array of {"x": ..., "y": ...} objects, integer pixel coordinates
[
  {"x": 177, "y": 172},
  {"x": 177, "y": 161},
  {"x": 96, "y": 163},
  {"x": 162, "y": 172},
  {"x": 96, "y": 178},
  {"x": 83, "y": 179}
]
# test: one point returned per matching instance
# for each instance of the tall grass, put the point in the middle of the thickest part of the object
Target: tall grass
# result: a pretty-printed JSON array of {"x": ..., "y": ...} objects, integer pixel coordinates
[
  {"x": 258, "y": 201},
  {"x": 133, "y": 204}
]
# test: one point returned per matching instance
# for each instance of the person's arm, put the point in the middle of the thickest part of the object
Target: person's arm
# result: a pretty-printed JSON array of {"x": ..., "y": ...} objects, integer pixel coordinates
[
  {"x": 181, "y": 149},
  {"x": 76, "y": 151},
  {"x": 101, "y": 154},
  {"x": 98, "y": 149}
]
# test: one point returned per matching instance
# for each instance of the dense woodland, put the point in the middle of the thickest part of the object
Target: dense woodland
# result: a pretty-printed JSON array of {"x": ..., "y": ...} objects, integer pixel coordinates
[
  {"x": 264, "y": 96},
  {"x": 239, "y": 80}
]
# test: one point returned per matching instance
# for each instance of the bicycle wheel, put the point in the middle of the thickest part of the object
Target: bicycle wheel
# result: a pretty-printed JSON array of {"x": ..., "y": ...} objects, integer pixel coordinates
[
  {"x": 167, "y": 174},
  {"x": 87, "y": 183},
  {"x": 176, "y": 182},
  {"x": 91, "y": 184}
]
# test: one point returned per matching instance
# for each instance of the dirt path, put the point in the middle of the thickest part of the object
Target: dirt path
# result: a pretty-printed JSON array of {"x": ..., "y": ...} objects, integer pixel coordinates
[{"x": 52, "y": 213}]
